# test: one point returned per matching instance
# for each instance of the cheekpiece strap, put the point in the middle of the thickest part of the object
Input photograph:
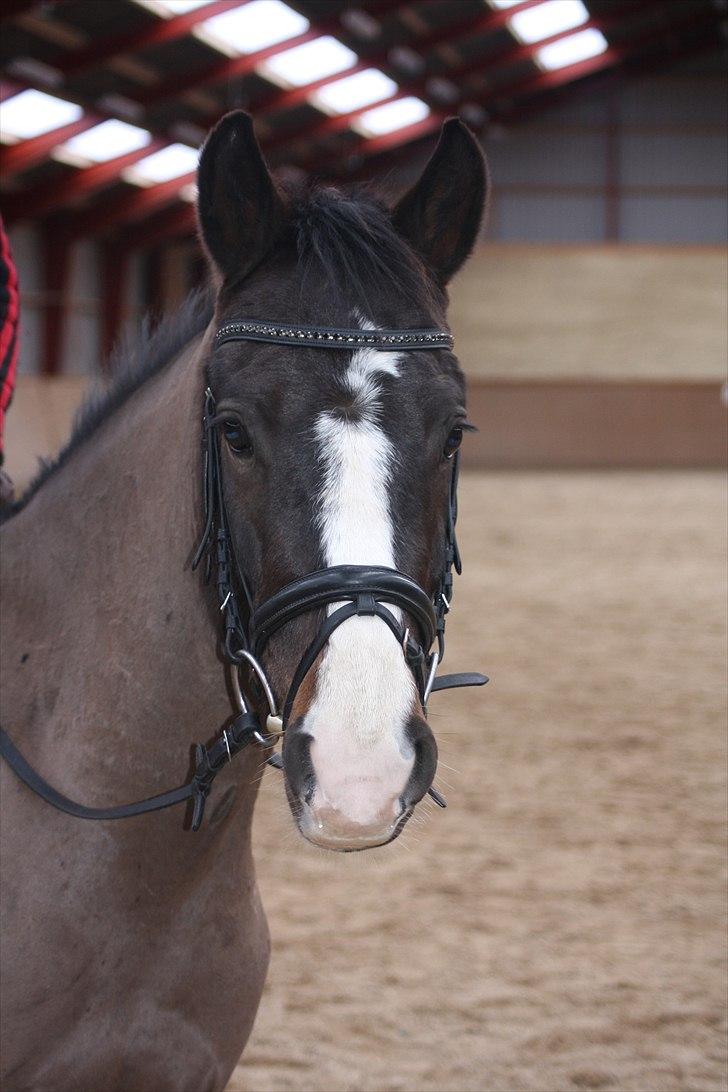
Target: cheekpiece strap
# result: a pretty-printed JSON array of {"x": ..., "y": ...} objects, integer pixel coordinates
[{"x": 327, "y": 337}]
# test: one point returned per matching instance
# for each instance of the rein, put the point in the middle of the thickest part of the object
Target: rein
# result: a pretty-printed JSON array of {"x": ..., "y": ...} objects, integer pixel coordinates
[{"x": 357, "y": 590}]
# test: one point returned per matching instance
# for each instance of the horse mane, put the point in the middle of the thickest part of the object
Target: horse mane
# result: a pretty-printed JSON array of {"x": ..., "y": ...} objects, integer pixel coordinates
[
  {"x": 136, "y": 358},
  {"x": 347, "y": 238}
]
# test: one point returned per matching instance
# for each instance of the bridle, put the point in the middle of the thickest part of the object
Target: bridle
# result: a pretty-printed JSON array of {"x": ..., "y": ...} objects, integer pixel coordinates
[
  {"x": 356, "y": 589},
  {"x": 351, "y": 590}
]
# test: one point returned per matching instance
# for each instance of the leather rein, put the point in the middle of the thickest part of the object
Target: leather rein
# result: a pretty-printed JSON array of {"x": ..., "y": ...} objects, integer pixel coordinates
[{"x": 356, "y": 590}]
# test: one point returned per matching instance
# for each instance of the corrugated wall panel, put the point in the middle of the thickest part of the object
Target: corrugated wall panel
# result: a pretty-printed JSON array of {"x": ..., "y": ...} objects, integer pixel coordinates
[
  {"x": 548, "y": 218},
  {"x": 81, "y": 344},
  {"x": 674, "y": 219},
  {"x": 682, "y": 101},
  {"x": 668, "y": 159},
  {"x": 553, "y": 158}
]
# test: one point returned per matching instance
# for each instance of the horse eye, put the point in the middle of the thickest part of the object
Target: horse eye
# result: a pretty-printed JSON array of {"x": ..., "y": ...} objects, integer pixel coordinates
[
  {"x": 453, "y": 442},
  {"x": 237, "y": 438}
]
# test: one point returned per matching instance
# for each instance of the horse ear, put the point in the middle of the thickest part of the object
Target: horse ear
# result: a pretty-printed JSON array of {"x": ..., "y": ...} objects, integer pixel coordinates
[
  {"x": 441, "y": 215},
  {"x": 240, "y": 211}
]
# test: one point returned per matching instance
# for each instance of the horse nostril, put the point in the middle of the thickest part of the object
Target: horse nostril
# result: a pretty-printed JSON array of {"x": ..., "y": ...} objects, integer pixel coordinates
[
  {"x": 425, "y": 764},
  {"x": 300, "y": 776}
]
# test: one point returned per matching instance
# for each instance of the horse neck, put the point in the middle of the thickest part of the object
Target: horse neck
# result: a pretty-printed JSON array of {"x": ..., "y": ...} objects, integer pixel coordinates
[{"x": 111, "y": 638}]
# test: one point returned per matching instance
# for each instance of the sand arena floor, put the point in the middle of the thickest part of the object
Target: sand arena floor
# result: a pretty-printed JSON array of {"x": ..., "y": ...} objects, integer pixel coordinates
[{"x": 561, "y": 925}]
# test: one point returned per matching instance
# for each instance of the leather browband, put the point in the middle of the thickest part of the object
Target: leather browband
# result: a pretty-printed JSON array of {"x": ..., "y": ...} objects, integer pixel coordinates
[{"x": 328, "y": 337}]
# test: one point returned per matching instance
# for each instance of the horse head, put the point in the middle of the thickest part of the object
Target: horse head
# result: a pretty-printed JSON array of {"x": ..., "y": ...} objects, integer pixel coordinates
[{"x": 340, "y": 462}]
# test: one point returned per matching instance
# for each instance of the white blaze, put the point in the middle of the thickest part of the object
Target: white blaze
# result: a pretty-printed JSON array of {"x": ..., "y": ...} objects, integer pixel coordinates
[{"x": 365, "y": 691}]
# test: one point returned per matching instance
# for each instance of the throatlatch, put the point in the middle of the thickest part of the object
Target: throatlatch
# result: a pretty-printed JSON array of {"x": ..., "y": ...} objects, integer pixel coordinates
[{"x": 246, "y": 630}]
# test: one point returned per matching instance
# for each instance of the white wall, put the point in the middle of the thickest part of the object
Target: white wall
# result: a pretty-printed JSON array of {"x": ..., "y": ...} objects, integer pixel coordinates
[{"x": 622, "y": 312}]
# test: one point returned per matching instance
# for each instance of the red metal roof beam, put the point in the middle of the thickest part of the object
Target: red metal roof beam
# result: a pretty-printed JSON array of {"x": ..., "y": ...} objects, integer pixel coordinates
[
  {"x": 163, "y": 30},
  {"x": 527, "y": 108},
  {"x": 173, "y": 223},
  {"x": 544, "y": 81},
  {"x": 611, "y": 57},
  {"x": 235, "y": 67},
  {"x": 373, "y": 145},
  {"x": 504, "y": 59},
  {"x": 15, "y": 158},
  {"x": 129, "y": 207},
  {"x": 473, "y": 24},
  {"x": 181, "y": 221},
  {"x": 50, "y": 196}
]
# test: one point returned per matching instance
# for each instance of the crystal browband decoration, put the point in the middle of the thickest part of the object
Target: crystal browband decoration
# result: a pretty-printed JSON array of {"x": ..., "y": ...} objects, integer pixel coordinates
[{"x": 328, "y": 338}]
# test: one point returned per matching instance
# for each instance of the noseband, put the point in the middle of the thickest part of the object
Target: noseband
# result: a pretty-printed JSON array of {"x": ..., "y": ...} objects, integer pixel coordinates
[{"x": 352, "y": 590}]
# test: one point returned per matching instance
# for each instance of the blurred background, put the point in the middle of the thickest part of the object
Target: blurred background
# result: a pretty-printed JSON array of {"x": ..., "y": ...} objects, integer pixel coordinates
[
  {"x": 604, "y": 124},
  {"x": 562, "y": 924}
]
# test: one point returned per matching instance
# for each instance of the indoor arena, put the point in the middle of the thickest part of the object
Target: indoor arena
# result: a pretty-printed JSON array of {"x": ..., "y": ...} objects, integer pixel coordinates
[{"x": 561, "y": 923}]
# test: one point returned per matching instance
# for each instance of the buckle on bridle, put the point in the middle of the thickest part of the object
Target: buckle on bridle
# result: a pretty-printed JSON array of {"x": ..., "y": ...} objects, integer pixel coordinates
[
  {"x": 273, "y": 721},
  {"x": 434, "y": 662}
]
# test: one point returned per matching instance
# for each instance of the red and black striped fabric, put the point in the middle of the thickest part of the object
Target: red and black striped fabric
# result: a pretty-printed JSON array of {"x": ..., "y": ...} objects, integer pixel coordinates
[{"x": 9, "y": 308}]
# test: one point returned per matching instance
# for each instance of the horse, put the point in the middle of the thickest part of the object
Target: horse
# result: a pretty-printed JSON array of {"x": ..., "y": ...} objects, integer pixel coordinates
[{"x": 135, "y": 951}]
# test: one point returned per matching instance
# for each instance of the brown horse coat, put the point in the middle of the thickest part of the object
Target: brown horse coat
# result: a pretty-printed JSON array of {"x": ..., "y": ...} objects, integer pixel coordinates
[
  {"x": 134, "y": 941},
  {"x": 134, "y": 952}
]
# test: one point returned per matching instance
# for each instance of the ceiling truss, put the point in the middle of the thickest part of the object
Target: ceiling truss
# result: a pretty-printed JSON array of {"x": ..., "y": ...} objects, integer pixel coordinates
[{"x": 478, "y": 81}]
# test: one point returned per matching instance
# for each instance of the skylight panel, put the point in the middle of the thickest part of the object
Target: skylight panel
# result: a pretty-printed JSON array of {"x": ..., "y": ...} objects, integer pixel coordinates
[
  {"x": 254, "y": 26},
  {"x": 391, "y": 116},
  {"x": 32, "y": 113},
  {"x": 577, "y": 47},
  {"x": 171, "y": 162},
  {"x": 181, "y": 7},
  {"x": 167, "y": 8},
  {"x": 543, "y": 20},
  {"x": 353, "y": 92},
  {"x": 308, "y": 62},
  {"x": 104, "y": 142}
]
